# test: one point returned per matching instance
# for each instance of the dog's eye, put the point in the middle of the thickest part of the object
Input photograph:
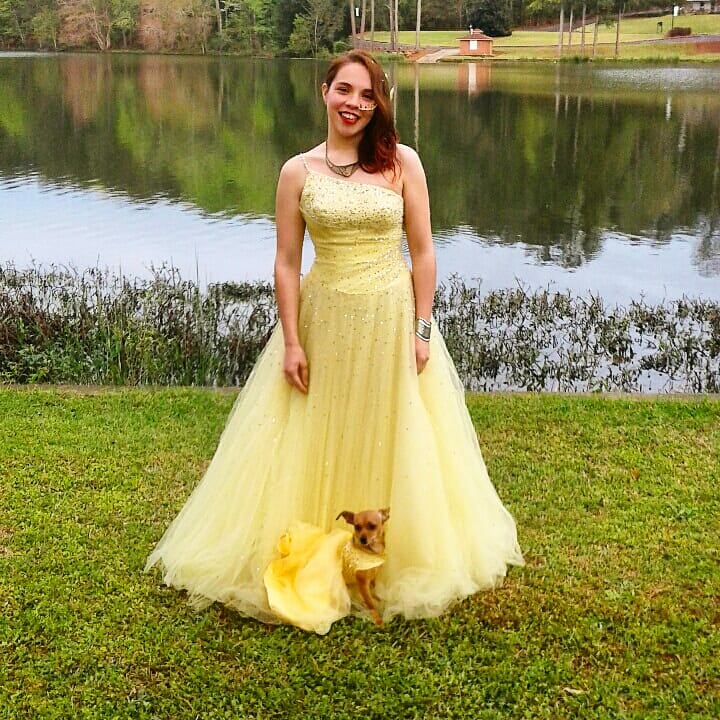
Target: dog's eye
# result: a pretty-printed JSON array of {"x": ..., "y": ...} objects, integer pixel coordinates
[
  {"x": 358, "y": 527},
  {"x": 371, "y": 526}
]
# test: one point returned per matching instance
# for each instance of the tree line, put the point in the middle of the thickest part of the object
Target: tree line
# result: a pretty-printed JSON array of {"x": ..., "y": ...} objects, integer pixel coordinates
[{"x": 272, "y": 27}]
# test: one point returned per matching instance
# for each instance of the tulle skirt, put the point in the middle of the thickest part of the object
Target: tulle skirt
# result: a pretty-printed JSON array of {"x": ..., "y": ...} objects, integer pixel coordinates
[{"x": 371, "y": 433}]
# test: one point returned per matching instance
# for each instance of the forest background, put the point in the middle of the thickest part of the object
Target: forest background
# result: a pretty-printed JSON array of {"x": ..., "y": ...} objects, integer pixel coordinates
[{"x": 270, "y": 27}]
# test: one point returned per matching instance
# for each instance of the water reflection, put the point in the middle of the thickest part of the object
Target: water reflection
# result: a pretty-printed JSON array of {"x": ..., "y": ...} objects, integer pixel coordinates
[{"x": 557, "y": 161}]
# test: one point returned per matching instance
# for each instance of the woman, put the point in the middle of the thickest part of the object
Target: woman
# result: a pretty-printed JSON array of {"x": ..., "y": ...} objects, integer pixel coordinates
[{"x": 354, "y": 404}]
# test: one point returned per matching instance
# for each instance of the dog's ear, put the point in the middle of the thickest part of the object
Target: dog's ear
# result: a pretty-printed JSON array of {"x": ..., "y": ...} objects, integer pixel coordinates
[
  {"x": 385, "y": 514},
  {"x": 348, "y": 516}
]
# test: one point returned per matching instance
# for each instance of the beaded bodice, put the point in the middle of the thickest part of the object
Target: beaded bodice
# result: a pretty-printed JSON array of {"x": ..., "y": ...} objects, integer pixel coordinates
[{"x": 356, "y": 229}]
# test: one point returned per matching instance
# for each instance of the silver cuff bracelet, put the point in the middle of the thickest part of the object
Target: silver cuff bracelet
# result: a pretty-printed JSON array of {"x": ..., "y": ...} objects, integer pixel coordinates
[{"x": 422, "y": 329}]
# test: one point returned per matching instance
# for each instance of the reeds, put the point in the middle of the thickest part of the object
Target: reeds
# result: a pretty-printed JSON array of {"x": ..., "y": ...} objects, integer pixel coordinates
[
  {"x": 61, "y": 325},
  {"x": 91, "y": 327},
  {"x": 543, "y": 340}
]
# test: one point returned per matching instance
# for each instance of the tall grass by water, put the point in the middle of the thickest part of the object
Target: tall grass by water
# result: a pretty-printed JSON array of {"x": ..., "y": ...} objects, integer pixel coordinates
[{"x": 62, "y": 325}]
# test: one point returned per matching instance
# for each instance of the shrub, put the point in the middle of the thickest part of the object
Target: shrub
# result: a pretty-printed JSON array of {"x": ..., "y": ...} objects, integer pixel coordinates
[{"x": 678, "y": 32}]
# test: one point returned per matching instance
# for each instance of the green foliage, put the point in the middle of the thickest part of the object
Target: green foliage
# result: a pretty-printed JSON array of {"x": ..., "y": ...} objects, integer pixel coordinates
[
  {"x": 45, "y": 26},
  {"x": 301, "y": 39},
  {"x": 16, "y": 20},
  {"x": 315, "y": 30},
  {"x": 614, "y": 616},
  {"x": 248, "y": 26},
  {"x": 490, "y": 16}
]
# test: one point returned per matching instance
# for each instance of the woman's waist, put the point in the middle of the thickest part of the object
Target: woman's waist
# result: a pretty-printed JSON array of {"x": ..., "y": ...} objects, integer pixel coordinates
[{"x": 358, "y": 276}]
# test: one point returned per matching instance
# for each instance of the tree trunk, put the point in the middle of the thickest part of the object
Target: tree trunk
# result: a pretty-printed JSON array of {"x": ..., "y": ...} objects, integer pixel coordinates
[
  {"x": 570, "y": 28},
  {"x": 353, "y": 29},
  {"x": 617, "y": 32},
  {"x": 391, "y": 7},
  {"x": 561, "y": 31},
  {"x": 417, "y": 24},
  {"x": 582, "y": 37},
  {"x": 218, "y": 12},
  {"x": 372, "y": 25},
  {"x": 362, "y": 19},
  {"x": 393, "y": 35},
  {"x": 397, "y": 25},
  {"x": 595, "y": 29}
]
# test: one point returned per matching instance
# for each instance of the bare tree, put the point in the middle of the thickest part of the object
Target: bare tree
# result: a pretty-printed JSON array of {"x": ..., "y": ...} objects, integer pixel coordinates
[
  {"x": 85, "y": 21},
  {"x": 417, "y": 24},
  {"x": 561, "y": 30},
  {"x": 353, "y": 28}
]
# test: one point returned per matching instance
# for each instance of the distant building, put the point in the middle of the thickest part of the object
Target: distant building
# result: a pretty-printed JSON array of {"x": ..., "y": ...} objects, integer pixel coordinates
[
  {"x": 702, "y": 6},
  {"x": 476, "y": 43}
]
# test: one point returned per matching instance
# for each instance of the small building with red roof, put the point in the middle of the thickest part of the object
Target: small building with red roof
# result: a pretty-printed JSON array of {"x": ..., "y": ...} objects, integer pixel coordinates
[{"x": 476, "y": 43}]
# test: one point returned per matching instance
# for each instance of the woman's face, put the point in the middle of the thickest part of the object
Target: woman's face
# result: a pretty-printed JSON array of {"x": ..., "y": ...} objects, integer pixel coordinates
[{"x": 349, "y": 99}]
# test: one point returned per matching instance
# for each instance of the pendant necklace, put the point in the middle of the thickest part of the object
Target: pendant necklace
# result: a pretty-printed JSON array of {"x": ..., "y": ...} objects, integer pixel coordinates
[{"x": 343, "y": 170}]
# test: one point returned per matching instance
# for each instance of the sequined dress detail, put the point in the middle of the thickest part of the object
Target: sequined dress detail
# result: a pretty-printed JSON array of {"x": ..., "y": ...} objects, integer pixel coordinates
[{"x": 369, "y": 434}]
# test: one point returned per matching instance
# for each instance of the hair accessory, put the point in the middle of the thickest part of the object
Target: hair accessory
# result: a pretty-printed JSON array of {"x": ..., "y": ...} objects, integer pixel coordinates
[
  {"x": 343, "y": 170},
  {"x": 422, "y": 329}
]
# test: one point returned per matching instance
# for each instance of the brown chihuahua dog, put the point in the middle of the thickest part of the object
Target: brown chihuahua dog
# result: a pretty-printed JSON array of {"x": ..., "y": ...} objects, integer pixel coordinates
[{"x": 364, "y": 554}]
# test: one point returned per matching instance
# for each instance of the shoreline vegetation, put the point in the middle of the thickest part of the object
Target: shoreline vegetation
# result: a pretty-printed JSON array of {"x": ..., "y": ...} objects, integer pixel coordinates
[
  {"x": 237, "y": 30},
  {"x": 93, "y": 327},
  {"x": 615, "y": 614}
]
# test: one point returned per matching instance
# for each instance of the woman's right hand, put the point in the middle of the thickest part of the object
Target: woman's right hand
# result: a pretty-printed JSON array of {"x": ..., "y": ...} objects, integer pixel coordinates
[{"x": 295, "y": 367}]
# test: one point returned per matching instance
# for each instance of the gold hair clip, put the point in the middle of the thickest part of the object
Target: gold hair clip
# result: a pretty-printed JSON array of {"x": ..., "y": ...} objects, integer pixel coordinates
[{"x": 367, "y": 106}]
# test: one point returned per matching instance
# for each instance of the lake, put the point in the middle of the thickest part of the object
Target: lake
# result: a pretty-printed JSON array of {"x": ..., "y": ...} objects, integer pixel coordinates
[{"x": 599, "y": 179}]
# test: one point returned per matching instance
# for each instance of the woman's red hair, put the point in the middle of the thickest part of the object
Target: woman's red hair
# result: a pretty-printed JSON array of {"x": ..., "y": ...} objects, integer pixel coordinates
[{"x": 377, "y": 151}]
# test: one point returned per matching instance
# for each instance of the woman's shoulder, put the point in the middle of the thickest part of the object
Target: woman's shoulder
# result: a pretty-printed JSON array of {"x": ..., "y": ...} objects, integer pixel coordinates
[
  {"x": 296, "y": 167},
  {"x": 406, "y": 153},
  {"x": 411, "y": 169}
]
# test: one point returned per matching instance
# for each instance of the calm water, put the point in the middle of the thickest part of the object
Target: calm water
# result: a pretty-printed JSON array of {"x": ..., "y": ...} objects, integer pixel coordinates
[{"x": 600, "y": 179}]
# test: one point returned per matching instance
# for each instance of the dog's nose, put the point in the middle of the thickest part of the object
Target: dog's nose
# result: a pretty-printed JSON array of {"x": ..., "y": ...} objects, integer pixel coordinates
[{"x": 363, "y": 540}]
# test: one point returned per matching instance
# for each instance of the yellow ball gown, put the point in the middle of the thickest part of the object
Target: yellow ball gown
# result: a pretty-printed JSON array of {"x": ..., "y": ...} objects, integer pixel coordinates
[{"x": 371, "y": 433}]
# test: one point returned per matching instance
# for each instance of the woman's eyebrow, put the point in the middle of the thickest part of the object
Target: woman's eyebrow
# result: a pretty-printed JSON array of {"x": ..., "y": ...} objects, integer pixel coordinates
[{"x": 344, "y": 83}]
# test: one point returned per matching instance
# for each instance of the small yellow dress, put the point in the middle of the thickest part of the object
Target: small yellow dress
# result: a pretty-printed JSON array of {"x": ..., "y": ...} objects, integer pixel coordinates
[{"x": 370, "y": 433}]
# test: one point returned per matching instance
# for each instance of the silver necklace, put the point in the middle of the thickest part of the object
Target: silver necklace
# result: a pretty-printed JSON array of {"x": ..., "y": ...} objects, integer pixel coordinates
[{"x": 343, "y": 170}]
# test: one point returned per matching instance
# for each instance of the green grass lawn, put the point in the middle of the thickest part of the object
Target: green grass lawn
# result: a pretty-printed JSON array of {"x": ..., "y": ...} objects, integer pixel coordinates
[
  {"x": 630, "y": 30},
  {"x": 617, "y": 614}
]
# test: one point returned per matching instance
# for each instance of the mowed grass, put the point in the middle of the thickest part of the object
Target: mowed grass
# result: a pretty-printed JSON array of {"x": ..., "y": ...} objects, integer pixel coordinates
[
  {"x": 631, "y": 30},
  {"x": 616, "y": 615}
]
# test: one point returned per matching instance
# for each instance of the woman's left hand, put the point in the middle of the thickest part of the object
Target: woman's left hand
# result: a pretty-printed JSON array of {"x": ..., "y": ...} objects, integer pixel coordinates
[{"x": 422, "y": 354}]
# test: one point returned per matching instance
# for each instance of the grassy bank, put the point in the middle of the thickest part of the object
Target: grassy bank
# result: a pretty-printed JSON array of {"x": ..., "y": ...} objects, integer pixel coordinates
[
  {"x": 615, "y": 615},
  {"x": 635, "y": 34}
]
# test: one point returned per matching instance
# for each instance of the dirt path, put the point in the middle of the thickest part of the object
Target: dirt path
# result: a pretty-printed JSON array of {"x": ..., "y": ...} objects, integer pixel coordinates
[{"x": 437, "y": 55}]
